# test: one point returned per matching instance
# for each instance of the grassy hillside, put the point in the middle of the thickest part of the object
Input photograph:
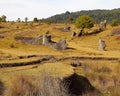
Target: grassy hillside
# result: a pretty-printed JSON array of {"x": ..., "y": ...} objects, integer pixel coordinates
[{"x": 100, "y": 67}]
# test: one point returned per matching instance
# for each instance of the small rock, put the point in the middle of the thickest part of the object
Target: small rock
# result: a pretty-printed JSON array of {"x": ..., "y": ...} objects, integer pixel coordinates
[
  {"x": 73, "y": 34},
  {"x": 76, "y": 64}
]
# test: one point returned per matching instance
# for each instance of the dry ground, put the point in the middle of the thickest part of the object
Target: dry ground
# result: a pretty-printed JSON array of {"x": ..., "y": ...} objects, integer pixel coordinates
[{"x": 103, "y": 74}]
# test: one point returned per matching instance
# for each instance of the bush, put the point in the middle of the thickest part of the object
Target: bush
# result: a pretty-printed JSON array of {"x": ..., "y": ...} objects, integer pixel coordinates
[
  {"x": 12, "y": 45},
  {"x": 35, "y": 20},
  {"x": 84, "y": 21},
  {"x": 114, "y": 23}
]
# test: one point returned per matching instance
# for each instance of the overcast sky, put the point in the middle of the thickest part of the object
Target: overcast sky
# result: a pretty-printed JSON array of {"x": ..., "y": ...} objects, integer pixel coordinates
[{"x": 14, "y": 9}]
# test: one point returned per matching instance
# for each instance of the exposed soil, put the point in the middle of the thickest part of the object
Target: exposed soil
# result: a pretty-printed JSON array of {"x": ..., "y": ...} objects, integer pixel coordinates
[
  {"x": 39, "y": 61},
  {"x": 88, "y": 58},
  {"x": 50, "y": 59}
]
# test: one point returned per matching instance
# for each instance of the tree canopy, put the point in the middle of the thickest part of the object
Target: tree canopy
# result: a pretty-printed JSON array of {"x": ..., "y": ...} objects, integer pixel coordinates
[
  {"x": 26, "y": 19},
  {"x": 98, "y": 15},
  {"x": 84, "y": 21},
  {"x": 35, "y": 20},
  {"x": 3, "y": 18}
]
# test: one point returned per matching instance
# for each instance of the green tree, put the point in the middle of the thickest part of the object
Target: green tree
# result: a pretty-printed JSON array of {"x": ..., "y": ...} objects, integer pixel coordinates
[
  {"x": 18, "y": 20},
  {"x": 26, "y": 19},
  {"x": 3, "y": 18},
  {"x": 35, "y": 20},
  {"x": 67, "y": 12},
  {"x": 70, "y": 19},
  {"x": 114, "y": 23},
  {"x": 84, "y": 21}
]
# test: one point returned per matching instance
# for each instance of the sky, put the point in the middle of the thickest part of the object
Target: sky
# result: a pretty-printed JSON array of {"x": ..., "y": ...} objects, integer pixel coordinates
[{"x": 14, "y": 9}]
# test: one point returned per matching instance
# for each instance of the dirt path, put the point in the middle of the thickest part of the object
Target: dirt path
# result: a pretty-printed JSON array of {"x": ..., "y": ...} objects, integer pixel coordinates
[{"x": 49, "y": 59}]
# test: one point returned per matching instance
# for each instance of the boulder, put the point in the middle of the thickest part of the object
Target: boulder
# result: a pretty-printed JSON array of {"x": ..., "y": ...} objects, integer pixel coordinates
[
  {"x": 60, "y": 45},
  {"x": 73, "y": 34},
  {"x": 103, "y": 25},
  {"x": 80, "y": 33},
  {"x": 67, "y": 29},
  {"x": 46, "y": 39},
  {"x": 38, "y": 40},
  {"x": 76, "y": 64},
  {"x": 102, "y": 44}
]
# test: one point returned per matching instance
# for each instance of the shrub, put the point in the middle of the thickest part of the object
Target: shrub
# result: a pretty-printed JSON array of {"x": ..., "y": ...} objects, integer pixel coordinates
[
  {"x": 12, "y": 46},
  {"x": 35, "y": 20},
  {"x": 114, "y": 23},
  {"x": 84, "y": 21},
  {"x": 17, "y": 27}
]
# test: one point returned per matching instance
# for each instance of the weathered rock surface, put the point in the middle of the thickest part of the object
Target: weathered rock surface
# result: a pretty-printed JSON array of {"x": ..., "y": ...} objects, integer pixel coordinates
[
  {"x": 80, "y": 33},
  {"x": 66, "y": 29},
  {"x": 103, "y": 25},
  {"x": 60, "y": 45},
  {"x": 73, "y": 34},
  {"x": 76, "y": 64},
  {"x": 44, "y": 40},
  {"x": 102, "y": 44}
]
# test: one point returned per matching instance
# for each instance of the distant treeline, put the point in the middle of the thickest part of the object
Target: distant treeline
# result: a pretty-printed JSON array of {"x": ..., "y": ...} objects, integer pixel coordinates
[{"x": 97, "y": 15}]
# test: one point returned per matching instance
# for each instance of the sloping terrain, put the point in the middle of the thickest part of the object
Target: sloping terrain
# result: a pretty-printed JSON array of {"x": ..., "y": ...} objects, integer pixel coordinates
[{"x": 100, "y": 67}]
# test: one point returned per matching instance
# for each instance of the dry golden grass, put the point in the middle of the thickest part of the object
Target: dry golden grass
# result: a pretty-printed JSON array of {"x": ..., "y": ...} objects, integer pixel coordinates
[
  {"x": 42, "y": 85},
  {"x": 104, "y": 75},
  {"x": 55, "y": 69},
  {"x": 86, "y": 46}
]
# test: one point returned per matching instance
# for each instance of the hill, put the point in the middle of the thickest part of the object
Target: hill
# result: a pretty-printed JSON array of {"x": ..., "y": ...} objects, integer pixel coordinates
[
  {"x": 98, "y": 15},
  {"x": 18, "y": 58}
]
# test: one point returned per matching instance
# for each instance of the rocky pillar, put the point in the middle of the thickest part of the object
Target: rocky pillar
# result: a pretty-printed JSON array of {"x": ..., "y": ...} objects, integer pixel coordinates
[
  {"x": 46, "y": 39},
  {"x": 102, "y": 44}
]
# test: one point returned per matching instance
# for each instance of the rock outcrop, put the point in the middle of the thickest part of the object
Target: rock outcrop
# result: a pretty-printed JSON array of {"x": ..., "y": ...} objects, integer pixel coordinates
[
  {"x": 102, "y": 44},
  {"x": 60, "y": 45},
  {"x": 66, "y": 29},
  {"x": 73, "y": 34},
  {"x": 103, "y": 25},
  {"x": 44, "y": 40}
]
